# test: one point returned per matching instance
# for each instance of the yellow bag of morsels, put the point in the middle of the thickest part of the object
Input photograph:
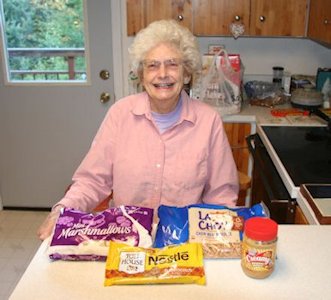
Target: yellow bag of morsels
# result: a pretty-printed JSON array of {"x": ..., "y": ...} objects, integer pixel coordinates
[{"x": 172, "y": 264}]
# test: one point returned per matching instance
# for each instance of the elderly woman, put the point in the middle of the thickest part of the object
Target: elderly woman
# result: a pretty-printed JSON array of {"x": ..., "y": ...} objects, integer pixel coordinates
[{"x": 159, "y": 146}]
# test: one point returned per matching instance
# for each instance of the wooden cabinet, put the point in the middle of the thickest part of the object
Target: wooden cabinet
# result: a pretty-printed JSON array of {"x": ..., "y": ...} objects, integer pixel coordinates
[
  {"x": 213, "y": 17},
  {"x": 278, "y": 18},
  {"x": 319, "y": 26},
  {"x": 134, "y": 16},
  {"x": 140, "y": 13},
  {"x": 236, "y": 133},
  {"x": 260, "y": 17},
  {"x": 300, "y": 217}
]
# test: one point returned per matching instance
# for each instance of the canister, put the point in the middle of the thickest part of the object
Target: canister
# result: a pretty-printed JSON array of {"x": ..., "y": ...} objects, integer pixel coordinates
[{"x": 277, "y": 75}]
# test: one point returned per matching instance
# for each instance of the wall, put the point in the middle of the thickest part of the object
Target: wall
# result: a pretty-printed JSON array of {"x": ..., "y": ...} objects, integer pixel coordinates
[{"x": 259, "y": 55}]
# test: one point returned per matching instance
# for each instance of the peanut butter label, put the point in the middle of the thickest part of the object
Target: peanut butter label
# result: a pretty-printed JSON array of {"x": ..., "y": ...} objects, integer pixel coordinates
[{"x": 258, "y": 260}]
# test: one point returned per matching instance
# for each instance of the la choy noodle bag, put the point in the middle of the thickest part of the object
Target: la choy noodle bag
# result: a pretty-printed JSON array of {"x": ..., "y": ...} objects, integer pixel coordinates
[{"x": 218, "y": 228}]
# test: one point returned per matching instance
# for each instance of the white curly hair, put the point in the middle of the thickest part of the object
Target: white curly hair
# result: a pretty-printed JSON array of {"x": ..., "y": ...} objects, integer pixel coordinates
[{"x": 166, "y": 31}]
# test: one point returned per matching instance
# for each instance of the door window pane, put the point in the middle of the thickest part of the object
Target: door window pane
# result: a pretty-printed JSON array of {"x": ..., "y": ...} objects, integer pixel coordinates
[{"x": 43, "y": 40}]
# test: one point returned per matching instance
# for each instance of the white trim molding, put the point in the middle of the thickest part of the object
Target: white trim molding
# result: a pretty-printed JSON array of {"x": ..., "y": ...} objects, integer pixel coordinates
[{"x": 118, "y": 19}]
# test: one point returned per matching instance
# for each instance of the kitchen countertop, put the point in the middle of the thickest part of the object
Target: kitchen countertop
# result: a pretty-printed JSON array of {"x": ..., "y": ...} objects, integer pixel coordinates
[
  {"x": 303, "y": 271},
  {"x": 262, "y": 115}
]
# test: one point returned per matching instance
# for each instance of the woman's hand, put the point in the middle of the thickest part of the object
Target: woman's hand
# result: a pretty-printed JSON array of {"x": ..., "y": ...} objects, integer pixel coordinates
[{"x": 46, "y": 228}]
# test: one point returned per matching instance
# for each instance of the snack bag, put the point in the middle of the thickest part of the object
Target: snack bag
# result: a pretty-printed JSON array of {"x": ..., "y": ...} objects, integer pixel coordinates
[
  {"x": 85, "y": 236},
  {"x": 218, "y": 228},
  {"x": 173, "y": 264}
]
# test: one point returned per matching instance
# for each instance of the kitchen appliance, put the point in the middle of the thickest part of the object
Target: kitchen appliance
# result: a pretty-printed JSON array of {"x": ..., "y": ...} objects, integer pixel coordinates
[
  {"x": 301, "y": 154},
  {"x": 286, "y": 157},
  {"x": 306, "y": 98},
  {"x": 267, "y": 185}
]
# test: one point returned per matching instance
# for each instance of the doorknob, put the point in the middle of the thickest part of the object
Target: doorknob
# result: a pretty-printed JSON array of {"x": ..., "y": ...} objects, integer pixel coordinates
[
  {"x": 104, "y": 97},
  {"x": 104, "y": 74}
]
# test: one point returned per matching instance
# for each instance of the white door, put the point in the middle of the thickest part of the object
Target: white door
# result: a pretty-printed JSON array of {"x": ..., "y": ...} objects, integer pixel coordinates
[{"x": 45, "y": 130}]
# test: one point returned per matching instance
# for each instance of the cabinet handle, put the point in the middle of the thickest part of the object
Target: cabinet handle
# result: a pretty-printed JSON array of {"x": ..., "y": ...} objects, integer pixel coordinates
[
  {"x": 180, "y": 18},
  {"x": 326, "y": 22},
  {"x": 237, "y": 18},
  {"x": 262, "y": 18}
]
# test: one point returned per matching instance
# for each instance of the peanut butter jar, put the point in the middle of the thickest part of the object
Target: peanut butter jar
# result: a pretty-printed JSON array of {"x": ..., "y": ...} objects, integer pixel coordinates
[{"x": 259, "y": 247}]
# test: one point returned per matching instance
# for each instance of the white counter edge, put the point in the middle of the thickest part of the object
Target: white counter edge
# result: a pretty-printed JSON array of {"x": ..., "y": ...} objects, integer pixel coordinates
[{"x": 307, "y": 210}]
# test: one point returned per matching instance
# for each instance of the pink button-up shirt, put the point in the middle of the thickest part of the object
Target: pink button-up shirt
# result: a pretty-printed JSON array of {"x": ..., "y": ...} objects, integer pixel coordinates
[{"x": 190, "y": 162}]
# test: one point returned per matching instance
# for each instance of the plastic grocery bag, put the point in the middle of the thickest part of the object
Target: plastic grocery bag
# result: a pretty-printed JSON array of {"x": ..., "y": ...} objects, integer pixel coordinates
[{"x": 220, "y": 87}]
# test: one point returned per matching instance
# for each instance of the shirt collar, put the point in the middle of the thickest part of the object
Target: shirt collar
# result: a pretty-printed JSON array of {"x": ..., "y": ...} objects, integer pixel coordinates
[{"x": 142, "y": 107}]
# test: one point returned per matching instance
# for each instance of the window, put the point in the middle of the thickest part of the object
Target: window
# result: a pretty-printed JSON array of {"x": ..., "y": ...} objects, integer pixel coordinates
[{"x": 43, "y": 40}]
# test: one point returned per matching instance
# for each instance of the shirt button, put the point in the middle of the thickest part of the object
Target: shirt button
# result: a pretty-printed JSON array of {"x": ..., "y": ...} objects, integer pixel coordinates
[{"x": 158, "y": 165}]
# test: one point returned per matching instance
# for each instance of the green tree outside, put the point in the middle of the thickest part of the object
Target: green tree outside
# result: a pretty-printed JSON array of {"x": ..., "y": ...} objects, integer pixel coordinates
[{"x": 44, "y": 24}]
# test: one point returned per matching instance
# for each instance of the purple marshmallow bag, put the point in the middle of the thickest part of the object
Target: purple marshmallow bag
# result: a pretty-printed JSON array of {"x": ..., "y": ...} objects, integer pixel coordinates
[{"x": 85, "y": 236}]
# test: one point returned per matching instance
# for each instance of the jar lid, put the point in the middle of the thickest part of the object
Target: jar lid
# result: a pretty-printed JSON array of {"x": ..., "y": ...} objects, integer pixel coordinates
[
  {"x": 278, "y": 68},
  {"x": 261, "y": 229}
]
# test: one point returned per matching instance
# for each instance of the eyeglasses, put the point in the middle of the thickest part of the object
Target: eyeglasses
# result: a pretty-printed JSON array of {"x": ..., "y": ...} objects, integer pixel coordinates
[{"x": 172, "y": 64}]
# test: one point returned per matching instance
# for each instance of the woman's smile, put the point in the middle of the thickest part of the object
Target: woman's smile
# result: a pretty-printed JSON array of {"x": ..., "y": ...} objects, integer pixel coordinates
[{"x": 163, "y": 85}]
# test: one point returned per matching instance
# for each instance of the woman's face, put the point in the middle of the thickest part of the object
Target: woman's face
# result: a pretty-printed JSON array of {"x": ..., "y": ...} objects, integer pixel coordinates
[{"x": 163, "y": 77}]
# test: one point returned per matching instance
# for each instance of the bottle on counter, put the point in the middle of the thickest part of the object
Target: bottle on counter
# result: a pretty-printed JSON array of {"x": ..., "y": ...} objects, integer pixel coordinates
[
  {"x": 278, "y": 73},
  {"x": 259, "y": 247},
  {"x": 287, "y": 82}
]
